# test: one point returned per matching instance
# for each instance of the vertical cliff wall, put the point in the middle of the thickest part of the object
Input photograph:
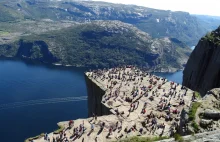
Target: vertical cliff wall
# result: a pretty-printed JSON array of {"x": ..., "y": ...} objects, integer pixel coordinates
[
  {"x": 202, "y": 72},
  {"x": 95, "y": 93}
]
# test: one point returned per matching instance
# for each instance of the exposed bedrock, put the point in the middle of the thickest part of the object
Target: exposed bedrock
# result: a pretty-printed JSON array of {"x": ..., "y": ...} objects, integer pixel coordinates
[
  {"x": 37, "y": 50},
  {"x": 212, "y": 114},
  {"x": 33, "y": 50},
  {"x": 95, "y": 94},
  {"x": 202, "y": 72}
]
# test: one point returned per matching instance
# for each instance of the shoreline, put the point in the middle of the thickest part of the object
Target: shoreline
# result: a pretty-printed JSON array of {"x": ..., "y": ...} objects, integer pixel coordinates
[{"x": 36, "y": 62}]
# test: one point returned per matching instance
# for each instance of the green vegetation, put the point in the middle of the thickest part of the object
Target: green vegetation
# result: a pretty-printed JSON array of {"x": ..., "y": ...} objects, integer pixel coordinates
[
  {"x": 192, "y": 115},
  {"x": 4, "y": 33},
  {"x": 198, "y": 95},
  {"x": 143, "y": 139},
  {"x": 213, "y": 37},
  {"x": 92, "y": 45},
  {"x": 178, "y": 137},
  {"x": 60, "y": 129},
  {"x": 195, "y": 126},
  {"x": 33, "y": 138},
  {"x": 210, "y": 36},
  {"x": 193, "y": 109}
]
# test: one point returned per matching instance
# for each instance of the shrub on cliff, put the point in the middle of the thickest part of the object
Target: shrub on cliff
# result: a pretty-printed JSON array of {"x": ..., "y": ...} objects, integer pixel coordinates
[
  {"x": 193, "y": 109},
  {"x": 143, "y": 139}
]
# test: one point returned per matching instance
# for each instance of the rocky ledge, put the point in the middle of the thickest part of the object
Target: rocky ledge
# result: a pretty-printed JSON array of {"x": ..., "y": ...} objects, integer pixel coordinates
[{"x": 141, "y": 104}]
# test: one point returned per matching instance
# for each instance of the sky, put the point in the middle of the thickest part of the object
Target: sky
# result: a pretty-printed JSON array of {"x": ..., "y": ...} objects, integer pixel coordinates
[{"x": 201, "y": 7}]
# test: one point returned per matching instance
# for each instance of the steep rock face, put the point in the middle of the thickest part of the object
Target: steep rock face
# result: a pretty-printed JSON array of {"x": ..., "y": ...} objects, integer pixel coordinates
[
  {"x": 33, "y": 50},
  {"x": 37, "y": 50},
  {"x": 95, "y": 94},
  {"x": 202, "y": 71}
]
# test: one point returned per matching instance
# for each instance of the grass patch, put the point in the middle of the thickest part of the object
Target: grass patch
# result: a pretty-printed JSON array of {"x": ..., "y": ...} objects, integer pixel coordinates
[
  {"x": 195, "y": 126},
  {"x": 178, "y": 137},
  {"x": 192, "y": 115},
  {"x": 60, "y": 129},
  {"x": 197, "y": 94},
  {"x": 143, "y": 139},
  {"x": 4, "y": 33},
  {"x": 192, "y": 111},
  {"x": 36, "y": 137}
]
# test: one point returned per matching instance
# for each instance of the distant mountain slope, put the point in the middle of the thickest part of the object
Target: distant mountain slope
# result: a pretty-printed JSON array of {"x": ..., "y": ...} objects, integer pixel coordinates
[
  {"x": 158, "y": 23},
  {"x": 101, "y": 44},
  {"x": 208, "y": 22}
]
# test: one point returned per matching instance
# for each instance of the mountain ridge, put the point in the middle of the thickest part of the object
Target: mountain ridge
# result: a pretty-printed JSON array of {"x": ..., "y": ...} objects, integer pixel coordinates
[
  {"x": 101, "y": 44},
  {"x": 158, "y": 23}
]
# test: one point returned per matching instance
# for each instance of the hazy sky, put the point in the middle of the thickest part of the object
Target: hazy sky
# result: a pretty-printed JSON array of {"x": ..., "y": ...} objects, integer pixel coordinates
[{"x": 204, "y": 7}]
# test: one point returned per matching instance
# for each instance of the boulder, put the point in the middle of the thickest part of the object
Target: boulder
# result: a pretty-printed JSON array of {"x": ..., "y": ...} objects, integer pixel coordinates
[
  {"x": 212, "y": 114},
  {"x": 205, "y": 123}
]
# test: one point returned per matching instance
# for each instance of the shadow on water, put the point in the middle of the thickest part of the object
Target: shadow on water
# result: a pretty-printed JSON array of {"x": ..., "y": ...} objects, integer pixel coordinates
[{"x": 34, "y": 64}]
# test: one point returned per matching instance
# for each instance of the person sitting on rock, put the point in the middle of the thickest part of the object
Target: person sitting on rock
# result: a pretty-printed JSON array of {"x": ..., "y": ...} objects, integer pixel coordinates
[
  {"x": 145, "y": 104},
  {"x": 146, "y": 94},
  {"x": 194, "y": 96},
  {"x": 168, "y": 118},
  {"x": 143, "y": 111},
  {"x": 175, "y": 111},
  {"x": 45, "y": 136},
  {"x": 110, "y": 131},
  {"x": 141, "y": 131},
  {"x": 151, "y": 98},
  {"x": 117, "y": 112},
  {"x": 182, "y": 102},
  {"x": 92, "y": 127},
  {"x": 160, "y": 106},
  {"x": 169, "y": 105},
  {"x": 71, "y": 122}
]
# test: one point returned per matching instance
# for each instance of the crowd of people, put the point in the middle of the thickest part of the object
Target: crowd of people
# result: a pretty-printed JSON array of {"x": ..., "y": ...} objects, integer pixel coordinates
[{"x": 142, "y": 104}]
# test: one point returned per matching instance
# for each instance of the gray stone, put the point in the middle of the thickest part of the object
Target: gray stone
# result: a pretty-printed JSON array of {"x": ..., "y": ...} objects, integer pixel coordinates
[
  {"x": 202, "y": 70},
  {"x": 213, "y": 114}
]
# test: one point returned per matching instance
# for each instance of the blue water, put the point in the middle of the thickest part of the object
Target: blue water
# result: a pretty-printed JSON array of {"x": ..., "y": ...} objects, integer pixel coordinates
[
  {"x": 176, "y": 77},
  {"x": 22, "y": 82}
]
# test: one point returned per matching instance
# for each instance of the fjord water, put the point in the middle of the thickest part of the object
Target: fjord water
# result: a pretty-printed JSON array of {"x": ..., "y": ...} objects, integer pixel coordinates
[
  {"x": 176, "y": 77},
  {"x": 20, "y": 83}
]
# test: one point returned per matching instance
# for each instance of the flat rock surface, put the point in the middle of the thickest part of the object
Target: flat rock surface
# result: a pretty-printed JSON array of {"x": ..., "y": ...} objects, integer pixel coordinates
[{"x": 142, "y": 104}]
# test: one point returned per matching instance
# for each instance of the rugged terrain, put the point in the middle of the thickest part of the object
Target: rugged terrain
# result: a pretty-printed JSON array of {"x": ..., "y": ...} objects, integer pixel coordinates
[
  {"x": 202, "y": 71},
  {"x": 158, "y": 23},
  {"x": 74, "y": 33},
  {"x": 203, "y": 117},
  {"x": 100, "y": 44}
]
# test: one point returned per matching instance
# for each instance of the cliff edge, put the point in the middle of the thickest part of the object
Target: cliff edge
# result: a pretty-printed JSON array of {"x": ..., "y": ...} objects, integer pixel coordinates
[
  {"x": 202, "y": 72},
  {"x": 95, "y": 93}
]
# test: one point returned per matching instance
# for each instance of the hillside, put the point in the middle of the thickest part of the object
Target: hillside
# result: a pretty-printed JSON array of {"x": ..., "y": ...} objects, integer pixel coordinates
[
  {"x": 158, "y": 23},
  {"x": 208, "y": 22},
  {"x": 101, "y": 44},
  {"x": 202, "y": 72}
]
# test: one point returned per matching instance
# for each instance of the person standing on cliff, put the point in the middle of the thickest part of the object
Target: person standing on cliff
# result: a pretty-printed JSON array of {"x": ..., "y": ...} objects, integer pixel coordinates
[{"x": 95, "y": 117}]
